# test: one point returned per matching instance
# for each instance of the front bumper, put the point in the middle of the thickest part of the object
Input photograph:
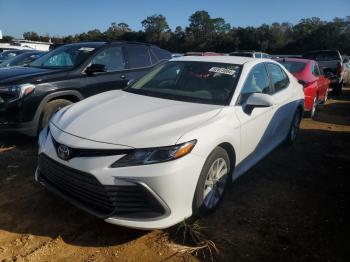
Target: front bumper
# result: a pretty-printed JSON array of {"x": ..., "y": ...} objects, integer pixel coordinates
[
  {"x": 12, "y": 119},
  {"x": 26, "y": 128},
  {"x": 167, "y": 188}
]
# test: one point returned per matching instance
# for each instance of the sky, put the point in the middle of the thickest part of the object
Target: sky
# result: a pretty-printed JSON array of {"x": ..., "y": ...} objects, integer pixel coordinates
[{"x": 64, "y": 17}]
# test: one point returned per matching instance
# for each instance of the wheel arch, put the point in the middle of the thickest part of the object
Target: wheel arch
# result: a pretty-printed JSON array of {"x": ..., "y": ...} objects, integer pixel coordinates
[
  {"x": 231, "y": 153},
  {"x": 70, "y": 95}
]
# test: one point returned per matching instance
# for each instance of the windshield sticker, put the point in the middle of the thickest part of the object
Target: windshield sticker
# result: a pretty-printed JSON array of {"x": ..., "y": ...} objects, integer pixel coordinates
[
  {"x": 222, "y": 71},
  {"x": 87, "y": 49}
]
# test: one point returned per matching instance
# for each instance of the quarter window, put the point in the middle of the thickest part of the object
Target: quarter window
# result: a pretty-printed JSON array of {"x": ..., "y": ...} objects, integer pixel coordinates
[
  {"x": 138, "y": 56},
  {"x": 315, "y": 70},
  {"x": 256, "y": 82},
  {"x": 278, "y": 77},
  {"x": 112, "y": 58}
]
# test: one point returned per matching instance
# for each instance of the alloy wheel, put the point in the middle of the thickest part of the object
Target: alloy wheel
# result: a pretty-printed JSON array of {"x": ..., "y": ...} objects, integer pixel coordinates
[{"x": 215, "y": 183}]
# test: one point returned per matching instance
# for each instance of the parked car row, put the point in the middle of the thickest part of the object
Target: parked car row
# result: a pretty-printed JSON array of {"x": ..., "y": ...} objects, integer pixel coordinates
[
  {"x": 30, "y": 95},
  {"x": 152, "y": 140}
]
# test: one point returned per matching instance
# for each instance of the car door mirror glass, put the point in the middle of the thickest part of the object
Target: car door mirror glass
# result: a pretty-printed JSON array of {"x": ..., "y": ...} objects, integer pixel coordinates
[{"x": 95, "y": 68}]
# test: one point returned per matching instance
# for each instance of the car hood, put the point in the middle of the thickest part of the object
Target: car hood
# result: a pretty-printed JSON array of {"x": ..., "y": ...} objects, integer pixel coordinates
[
  {"x": 128, "y": 119},
  {"x": 15, "y": 74}
]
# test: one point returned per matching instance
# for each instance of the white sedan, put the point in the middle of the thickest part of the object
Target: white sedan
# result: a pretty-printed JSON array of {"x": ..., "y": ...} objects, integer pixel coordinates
[{"x": 164, "y": 148}]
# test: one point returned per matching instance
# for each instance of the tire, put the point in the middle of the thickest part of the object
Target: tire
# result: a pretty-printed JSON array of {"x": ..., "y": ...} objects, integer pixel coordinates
[
  {"x": 209, "y": 194},
  {"x": 51, "y": 108},
  {"x": 294, "y": 128},
  {"x": 337, "y": 89},
  {"x": 325, "y": 98},
  {"x": 313, "y": 108}
]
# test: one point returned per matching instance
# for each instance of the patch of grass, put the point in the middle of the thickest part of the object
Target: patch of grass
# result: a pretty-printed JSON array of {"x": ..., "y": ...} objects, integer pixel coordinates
[{"x": 189, "y": 238}]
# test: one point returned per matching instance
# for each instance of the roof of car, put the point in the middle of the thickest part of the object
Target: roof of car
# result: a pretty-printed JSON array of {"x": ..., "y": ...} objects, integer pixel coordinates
[
  {"x": 293, "y": 59},
  {"x": 101, "y": 43},
  {"x": 217, "y": 59},
  {"x": 88, "y": 44}
]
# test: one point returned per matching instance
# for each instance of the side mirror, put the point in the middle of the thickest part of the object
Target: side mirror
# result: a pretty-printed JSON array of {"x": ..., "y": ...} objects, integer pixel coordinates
[
  {"x": 258, "y": 100},
  {"x": 95, "y": 68}
]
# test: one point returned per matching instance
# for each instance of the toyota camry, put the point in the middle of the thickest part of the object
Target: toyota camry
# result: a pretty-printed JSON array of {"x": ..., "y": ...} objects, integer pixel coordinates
[{"x": 166, "y": 147}]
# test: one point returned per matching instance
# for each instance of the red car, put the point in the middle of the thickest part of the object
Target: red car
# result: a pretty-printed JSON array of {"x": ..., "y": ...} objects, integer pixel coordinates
[{"x": 309, "y": 75}]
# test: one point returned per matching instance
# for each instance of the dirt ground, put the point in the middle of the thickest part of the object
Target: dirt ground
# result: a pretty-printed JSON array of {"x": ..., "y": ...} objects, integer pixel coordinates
[{"x": 293, "y": 206}]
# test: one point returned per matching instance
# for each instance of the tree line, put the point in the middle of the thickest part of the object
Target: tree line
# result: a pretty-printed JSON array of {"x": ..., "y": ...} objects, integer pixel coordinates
[{"x": 205, "y": 33}]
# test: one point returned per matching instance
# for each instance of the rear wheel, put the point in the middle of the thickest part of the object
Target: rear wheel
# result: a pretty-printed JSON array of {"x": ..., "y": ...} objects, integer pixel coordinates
[
  {"x": 337, "y": 89},
  {"x": 313, "y": 108},
  {"x": 51, "y": 108},
  {"x": 294, "y": 129},
  {"x": 212, "y": 182}
]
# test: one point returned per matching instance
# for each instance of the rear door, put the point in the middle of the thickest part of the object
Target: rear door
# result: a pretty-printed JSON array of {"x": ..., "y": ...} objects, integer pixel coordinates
[
  {"x": 284, "y": 108},
  {"x": 114, "y": 78},
  {"x": 322, "y": 82},
  {"x": 139, "y": 60}
]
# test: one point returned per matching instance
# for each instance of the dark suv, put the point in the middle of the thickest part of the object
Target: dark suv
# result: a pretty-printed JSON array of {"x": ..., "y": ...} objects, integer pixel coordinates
[
  {"x": 30, "y": 95},
  {"x": 332, "y": 64}
]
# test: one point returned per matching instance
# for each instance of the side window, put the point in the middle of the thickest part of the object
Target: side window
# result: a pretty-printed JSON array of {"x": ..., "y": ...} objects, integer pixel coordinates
[
  {"x": 278, "y": 77},
  {"x": 60, "y": 60},
  {"x": 112, "y": 58},
  {"x": 265, "y": 56},
  {"x": 314, "y": 70},
  {"x": 257, "y": 55},
  {"x": 161, "y": 53},
  {"x": 256, "y": 82},
  {"x": 138, "y": 56}
]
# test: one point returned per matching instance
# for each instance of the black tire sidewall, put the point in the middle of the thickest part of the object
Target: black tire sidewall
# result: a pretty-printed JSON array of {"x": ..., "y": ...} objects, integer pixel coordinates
[
  {"x": 289, "y": 140},
  {"x": 199, "y": 209}
]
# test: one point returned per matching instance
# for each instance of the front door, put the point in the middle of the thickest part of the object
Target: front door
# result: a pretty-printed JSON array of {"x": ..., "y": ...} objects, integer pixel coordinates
[
  {"x": 116, "y": 75},
  {"x": 255, "y": 123}
]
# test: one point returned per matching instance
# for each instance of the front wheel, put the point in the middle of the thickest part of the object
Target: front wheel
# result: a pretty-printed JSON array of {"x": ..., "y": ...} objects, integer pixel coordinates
[
  {"x": 294, "y": 129},
  {"x": 51, "y": 108},
  {"x": 212, "y": 182}
]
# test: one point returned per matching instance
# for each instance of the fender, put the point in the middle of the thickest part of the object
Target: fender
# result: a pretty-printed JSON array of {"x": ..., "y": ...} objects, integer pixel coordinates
[{"x": 49, "y": 97}]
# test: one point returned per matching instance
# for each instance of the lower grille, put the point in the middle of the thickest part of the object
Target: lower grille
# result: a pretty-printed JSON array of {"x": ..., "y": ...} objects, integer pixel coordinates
[
  {"x": 103, "y": 201},
  {"x": 8, "y": 96}
]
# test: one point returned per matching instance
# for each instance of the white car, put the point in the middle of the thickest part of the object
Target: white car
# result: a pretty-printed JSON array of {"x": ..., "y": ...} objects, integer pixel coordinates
[{"x": 165, "y": 148}]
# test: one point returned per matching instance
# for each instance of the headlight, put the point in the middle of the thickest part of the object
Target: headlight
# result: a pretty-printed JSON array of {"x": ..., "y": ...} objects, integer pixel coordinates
[
  {"x": 155, "y": 155},
  {"x": 22, "y": 90}
]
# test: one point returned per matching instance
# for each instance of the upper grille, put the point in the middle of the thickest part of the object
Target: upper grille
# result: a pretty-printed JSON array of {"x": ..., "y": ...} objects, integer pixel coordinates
[{"x": 89, "y": 193}]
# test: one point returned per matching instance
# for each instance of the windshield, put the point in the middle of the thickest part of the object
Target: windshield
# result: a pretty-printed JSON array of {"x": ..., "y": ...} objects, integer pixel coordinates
[
  {"x": 7, "y": 55},
  {"x": 64, "y": 57},
  {"x": 293, "y": 67},
  {"x": 198, "y": 82}
]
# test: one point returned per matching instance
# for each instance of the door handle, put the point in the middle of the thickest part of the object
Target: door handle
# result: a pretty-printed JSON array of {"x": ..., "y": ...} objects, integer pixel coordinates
[{"x": 123, "y": 76}]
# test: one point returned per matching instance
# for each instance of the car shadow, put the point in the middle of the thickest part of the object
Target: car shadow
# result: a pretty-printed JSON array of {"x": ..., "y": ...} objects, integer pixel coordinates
[
  {"x": 334, "y": 113},
  {"x": 291, "y": 206}
]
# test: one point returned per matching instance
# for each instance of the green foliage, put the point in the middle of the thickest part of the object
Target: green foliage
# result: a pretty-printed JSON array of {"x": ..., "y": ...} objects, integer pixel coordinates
[{"x": 205, "y": 33}]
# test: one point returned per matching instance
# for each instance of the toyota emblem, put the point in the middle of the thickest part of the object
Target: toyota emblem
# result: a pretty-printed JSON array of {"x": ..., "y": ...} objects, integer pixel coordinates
[{"x": 63, "y": 152}]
